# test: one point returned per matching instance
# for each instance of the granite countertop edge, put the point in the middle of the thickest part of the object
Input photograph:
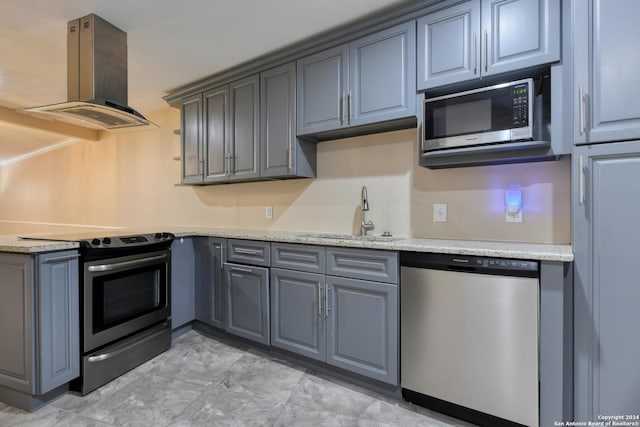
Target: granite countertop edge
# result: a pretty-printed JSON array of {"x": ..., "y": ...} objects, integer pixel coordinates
[{"x": 531, "y": 251}]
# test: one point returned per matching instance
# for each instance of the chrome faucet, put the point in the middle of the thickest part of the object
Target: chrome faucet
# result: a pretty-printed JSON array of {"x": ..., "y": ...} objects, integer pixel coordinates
[{"x": 364, "y": 224}]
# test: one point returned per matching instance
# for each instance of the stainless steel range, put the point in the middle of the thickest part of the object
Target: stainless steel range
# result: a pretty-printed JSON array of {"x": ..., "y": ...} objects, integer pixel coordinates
[{"x": 125, "y": 303}]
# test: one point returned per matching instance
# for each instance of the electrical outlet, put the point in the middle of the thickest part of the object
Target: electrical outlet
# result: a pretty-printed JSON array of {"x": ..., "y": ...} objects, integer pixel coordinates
[
  {"x": 268, "y": 212},
  {"x": 513, "y": 206},
  {"x": 440, "y": 212}
]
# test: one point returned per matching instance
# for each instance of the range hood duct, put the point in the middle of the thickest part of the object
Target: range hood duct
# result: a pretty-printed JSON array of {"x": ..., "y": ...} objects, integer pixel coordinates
[{"x": 96, "y": 79}]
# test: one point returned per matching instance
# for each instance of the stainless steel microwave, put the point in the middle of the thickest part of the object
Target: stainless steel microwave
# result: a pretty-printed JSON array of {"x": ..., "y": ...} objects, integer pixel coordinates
[{"x": 498, "y": 114}]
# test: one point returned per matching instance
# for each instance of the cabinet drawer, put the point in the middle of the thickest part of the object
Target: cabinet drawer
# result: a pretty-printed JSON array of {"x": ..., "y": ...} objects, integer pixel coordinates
[
  {"x": 249, "y": 252},
  {"x": 298, "y": 257},
  {"x": 379, "y": 266}
]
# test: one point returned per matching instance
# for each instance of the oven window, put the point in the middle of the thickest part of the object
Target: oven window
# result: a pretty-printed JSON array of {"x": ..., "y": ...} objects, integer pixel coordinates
[{"x": 120, "y": 297}]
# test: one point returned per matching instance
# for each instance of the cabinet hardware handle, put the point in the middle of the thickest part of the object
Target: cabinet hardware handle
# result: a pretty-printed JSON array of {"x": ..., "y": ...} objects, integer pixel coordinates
[
  {"x": 475, "y": 53},
  {"x": 581, "y": 180},
  {"x": 326, "y": 301},
  {"x": 319, "y": 299},
  {"x": 247, "y": 251},
  {"x": 132, "y": 263},
  {"x": 486, "y": 50},
  {"x": 581, "y": 107},
  {"x": 61, "y": 258},
  {"x": 349, "y": 106},
  {"x": 221, "y": 257},
  {"x": 342, "y": 108},
  {"x": 241, "y": 270},
  {"x": 290, "y": 155}
]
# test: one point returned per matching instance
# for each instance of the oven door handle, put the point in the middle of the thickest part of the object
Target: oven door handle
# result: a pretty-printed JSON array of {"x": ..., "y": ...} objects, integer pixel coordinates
[{"x": 126, "y": 264}]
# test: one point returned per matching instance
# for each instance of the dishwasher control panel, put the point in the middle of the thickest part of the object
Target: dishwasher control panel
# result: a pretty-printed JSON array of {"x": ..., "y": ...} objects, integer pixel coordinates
[{"x": 471, "y": 264}]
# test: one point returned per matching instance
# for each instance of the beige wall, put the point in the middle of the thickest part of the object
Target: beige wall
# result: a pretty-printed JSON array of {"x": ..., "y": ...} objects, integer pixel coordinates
[{"x": 130, "y": 180}]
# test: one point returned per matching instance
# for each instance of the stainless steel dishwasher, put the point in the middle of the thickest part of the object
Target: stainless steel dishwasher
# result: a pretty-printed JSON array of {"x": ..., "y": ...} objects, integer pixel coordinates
[{"x": 469, "y": 336}]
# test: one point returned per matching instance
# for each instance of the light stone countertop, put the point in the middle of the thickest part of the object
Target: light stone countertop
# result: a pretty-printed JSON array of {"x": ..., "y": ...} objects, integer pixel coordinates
[{"x": 532, "y": 251}]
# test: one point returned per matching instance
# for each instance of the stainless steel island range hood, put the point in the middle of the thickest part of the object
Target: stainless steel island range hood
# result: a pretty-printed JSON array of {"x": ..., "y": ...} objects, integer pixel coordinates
[{"x": 96, "y": 79}]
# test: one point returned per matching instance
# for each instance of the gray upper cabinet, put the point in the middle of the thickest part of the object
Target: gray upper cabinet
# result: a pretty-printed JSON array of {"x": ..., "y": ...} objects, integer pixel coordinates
[
  {"x": 322, "y": 90},
  {"x": 281, "y": 153},
  {"x": 191, "y": 140},
  {"x": 40, "y": 328},
  {"x": 606, "y": 60},
  {"x": 243, "y": 149},
  {"x": 606, "y": 291},
  {"x": 448, "y": 45},
  {"x": 486, "y": 37},
  {"x": 220, "y": 133},
  {"x": 369, "y": 80},
  {"x": 216, "y": 126}
]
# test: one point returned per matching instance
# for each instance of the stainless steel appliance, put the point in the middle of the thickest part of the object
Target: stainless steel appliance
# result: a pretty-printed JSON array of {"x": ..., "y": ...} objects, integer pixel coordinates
[
  {"x": 125, "y": 303},
  {"x": 96, "y": 79},
  {"x": 469, "y": 336},
  {"x": 508, "y": 115}
]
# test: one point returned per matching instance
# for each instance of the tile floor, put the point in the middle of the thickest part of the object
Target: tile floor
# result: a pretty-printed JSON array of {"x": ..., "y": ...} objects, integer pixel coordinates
[{"x": 206, "y": 382}]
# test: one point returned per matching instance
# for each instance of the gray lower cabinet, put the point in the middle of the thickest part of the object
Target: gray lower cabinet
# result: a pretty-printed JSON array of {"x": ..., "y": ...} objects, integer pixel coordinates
[
  {"x": 362, "y": 327},
  {"x": 247, "y": 310},
  {"x": 370, "y": 80},
  {"x": 344, "y": 321},
  {"x": 486, "y": 37},
  {"x": 297, "y": 312},
  {"x": 607, "y": 294},
  {"x": 209, "y": 281},
  {"x": 182, "y": 282},
  {"x": 606, "y": 89},
  {"x": 39, "y": 324}
]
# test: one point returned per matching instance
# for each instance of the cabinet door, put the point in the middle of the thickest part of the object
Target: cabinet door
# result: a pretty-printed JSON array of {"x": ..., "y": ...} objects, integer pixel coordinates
[
  {"x": 322, "y": 84},
  {"x": 17, "y": 323},
  {"x": 297, "y": 312},
  {"x": 248, "y": 302},
  {"x": 182, "y": 282},
  {"x": 382, "y": 75},
  {"x": 277, "y": 120},
  {"x": 58, "y": 319},
  {"x": 606, "y": 236},
  {"x": 519, "y": 34},
  {"x": 191, "y": 139},
  {"x": 362, "y": 328},
  {"x": 216, "y": 125},
  {"x": 209, "y": 278},
  {"x": 245, "y": 122},
  {"x": 449, "y": 46},
  {"x": 606, "y": 67}
]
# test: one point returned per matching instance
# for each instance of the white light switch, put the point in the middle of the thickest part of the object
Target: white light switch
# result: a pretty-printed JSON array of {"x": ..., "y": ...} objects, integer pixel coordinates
[
  {"x": 440, "y": 212},
  {"x": 268, "y": 212}
]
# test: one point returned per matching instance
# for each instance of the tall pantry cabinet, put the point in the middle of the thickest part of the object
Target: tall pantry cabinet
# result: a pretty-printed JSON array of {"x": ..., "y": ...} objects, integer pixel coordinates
[{"x": 606, "y": 206}]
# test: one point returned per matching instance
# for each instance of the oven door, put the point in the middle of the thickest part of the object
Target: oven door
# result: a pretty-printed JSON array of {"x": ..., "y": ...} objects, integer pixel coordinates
[{"x": 124, "y": 295}]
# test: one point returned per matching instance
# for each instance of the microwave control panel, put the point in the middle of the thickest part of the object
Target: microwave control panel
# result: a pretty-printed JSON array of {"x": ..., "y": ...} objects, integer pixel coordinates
[{"x": 520, "y": 107}]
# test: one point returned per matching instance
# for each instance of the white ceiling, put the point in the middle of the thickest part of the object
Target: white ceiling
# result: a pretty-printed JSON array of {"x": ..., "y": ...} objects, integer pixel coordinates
[{"x": 170, "y": 43}]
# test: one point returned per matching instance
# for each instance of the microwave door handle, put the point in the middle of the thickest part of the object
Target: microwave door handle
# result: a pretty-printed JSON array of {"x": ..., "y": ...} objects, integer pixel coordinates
[{"x": 126, "y": 264}]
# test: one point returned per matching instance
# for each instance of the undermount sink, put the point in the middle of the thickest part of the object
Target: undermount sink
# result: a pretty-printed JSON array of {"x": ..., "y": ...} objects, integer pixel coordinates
[{"x": 351, "y": 237}]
